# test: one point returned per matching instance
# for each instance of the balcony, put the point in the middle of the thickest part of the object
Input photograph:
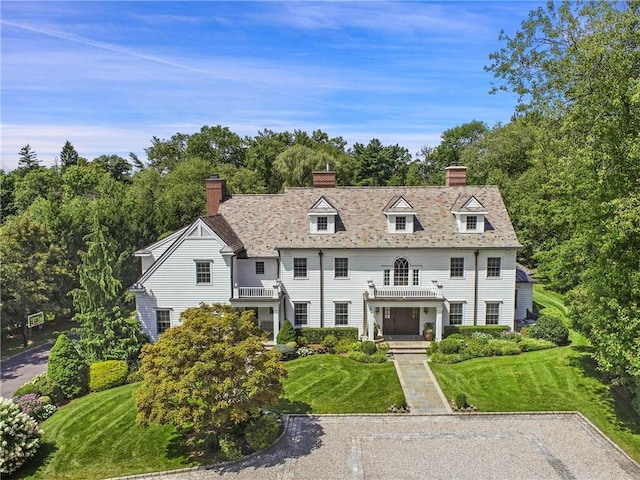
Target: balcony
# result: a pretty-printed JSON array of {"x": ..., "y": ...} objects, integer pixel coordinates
[
  {"x": 257, "y": 293},
  {"x": 433, "y": 292}
]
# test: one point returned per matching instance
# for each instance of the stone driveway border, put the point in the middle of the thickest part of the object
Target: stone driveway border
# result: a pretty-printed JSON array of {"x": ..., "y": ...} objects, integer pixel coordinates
[{"x": 556, "y": 446}]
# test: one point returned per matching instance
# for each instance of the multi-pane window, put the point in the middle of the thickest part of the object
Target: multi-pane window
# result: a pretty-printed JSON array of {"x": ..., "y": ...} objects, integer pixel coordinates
[
  {"x": 203, "y": 272},
  {"x": 300, "y": 313},
  {"x": 259, "y": 268},
  {"x": 416, "y": 278},
  {"x": 299, "y": 268},
  {"x": 455, "y": 314},
  {"x": 401, "y": 272},
  {"x": 493, "y": 266},
  {"x": 342, "y": 313},
  {"x": 341, "y": 267},
  {"x": 457, "y": 267},
  {"x": 163, "y": 319},
  {"x": 323, "y": 224},
  {"x": 493, "y": 313},
  {"x": 472, "y": 223},
  {"x": 401, "y": 224},
  {"x": 387, "y": 277},
  {"x": 386, "y": 313}
]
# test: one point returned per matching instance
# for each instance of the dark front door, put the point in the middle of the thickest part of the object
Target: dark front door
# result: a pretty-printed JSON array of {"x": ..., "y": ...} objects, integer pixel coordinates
[{"x": 404, "y": 321}]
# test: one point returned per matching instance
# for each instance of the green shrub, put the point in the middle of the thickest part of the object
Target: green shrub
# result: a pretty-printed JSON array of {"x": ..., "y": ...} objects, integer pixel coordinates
[
  {"x": 439, "y": 357},
  {"x": 304, "y": 352},
  {"x": 230, "y": 447},
  {"x": 450, "y": 345},
  {"x": 377, "y": 357},
  {"x": 262, "y": 431},
  {"x": 302, "y": 341},
  {"x": 551, "y": 328},
  {"x": 20, "y": 436},
  {"x": 292, "y": 344},
  {"x": 474, "y": 349},
  {"x": 108, "y": 374},
  {"x": 67, "y": 368},
  {"x": 316, "y": 335},
  {"x": 467, "y": 330},
  {"x": 456, "y": 336},
  {"x": 135, "y": 376},
  {"x": 369, "y": 347},
  {"x": 460, "y": 401},
  {"x": 43, "y": 386},
  {"x": 286, "y": 334},
  {"x": 482, "y": 337},
  {"x": 329, "y": 342},
  {"x": 503, "y": 347},
  {"x": 528, "y": 344},
  {"x": 286, "y": 352},
  {"x": 344, "y": 345},
  {"x": 432, "y": 348}
]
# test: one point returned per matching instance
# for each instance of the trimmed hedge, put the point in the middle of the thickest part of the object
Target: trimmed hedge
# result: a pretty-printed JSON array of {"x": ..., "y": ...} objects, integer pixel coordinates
[
  {"x": 317, "y": 335},
  {"x": 67, "y": 368},
  {"x": 108, "y": 374},
  {"x": 467, "y": 330}
]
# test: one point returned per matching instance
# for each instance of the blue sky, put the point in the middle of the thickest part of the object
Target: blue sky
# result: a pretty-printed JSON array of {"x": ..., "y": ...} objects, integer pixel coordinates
[{"x": 107, "y": 76}]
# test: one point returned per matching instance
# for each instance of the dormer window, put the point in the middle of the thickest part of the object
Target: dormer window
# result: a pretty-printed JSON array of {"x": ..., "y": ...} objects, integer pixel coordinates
[
  {"x": 322, "y": 217},
  {"x": 470, "y": 214},
  {"x": 400, "y": 215}
]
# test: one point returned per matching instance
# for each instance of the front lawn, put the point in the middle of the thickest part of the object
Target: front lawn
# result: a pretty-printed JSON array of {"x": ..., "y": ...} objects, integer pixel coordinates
[
  {"x": 97, "y": 437},
  {"x": 563, "y": 379},
  {"x": 335, "y": 384}
]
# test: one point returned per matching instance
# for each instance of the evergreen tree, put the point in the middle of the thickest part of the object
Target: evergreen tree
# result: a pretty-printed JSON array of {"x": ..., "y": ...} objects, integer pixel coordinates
[
  {"x": 67, "y": 368},
  {"x": 69, "y": 156},
  {"x": 28, "y": 159}
]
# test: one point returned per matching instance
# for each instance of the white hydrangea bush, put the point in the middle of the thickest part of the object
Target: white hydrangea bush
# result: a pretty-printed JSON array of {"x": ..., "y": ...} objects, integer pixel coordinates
[{"x": 19, "y": 436}]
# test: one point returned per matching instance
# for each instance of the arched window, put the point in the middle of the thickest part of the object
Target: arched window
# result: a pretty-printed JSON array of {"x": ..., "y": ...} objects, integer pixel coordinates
[{"x": 401, "y": 272}]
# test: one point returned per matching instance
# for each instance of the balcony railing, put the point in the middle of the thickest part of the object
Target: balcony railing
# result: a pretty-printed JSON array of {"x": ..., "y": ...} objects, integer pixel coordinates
[
  {"x": 257, "y": 292},
  {"x": 405, "y": 292}
]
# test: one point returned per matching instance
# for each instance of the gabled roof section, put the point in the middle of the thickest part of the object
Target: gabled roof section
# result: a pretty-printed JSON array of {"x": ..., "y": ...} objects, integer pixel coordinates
[
  {"x": 323, "y": 206},
  {"x": 398, "y": 204},
  {"x": 524, "y": 275},
  {"x": 215, "y": 224},
  {"x": 468, "y": 204},
  {"x": 162, "y": 244}
]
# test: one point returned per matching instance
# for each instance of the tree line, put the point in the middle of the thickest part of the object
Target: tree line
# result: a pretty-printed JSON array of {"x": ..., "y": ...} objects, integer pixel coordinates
[{"x": 567, "y": 164}]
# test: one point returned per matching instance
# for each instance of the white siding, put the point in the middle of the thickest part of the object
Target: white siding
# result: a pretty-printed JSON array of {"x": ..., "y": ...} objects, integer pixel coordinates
[
  {"x": 173, "y": 285},
  {"x": 245, "y": 272},
  {"x": 525, "y": 300}
]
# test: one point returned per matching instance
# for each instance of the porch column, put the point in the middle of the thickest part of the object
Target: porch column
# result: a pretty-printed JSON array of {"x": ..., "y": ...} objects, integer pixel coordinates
[
  {"x": 276, "y": 321},
  {"x": 371, "y": 318},
  {"x": 439, "y": 323}
]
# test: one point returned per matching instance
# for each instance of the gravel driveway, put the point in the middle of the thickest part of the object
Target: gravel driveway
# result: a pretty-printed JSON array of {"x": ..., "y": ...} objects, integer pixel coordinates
[{"x": 562, "y": 446}]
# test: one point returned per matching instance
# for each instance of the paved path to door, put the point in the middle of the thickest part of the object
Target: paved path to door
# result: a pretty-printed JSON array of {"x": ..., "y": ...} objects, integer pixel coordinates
[
  {"x": 421, "y": 390},
  {"x": 19, "y": 369},
  {"x": 408, "y": 447}
]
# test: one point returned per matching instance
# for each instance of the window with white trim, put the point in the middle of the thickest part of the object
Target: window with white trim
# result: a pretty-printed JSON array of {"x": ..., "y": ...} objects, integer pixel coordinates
[
  {"x": 260, "y": 268},
  {"x": 401, "y": 224},
  {"x": 203, "y": 272},
  {"x": 401, "y": 272},
  {"x": 455, "y": 313},
  {"x": 416, "y": 278},
  {"x": 494, "y": 267},
  {"x": 457, "y": 267},
  {"x": 341, "y": 267},
  {"x": 300, "y": 313},
  {"x": 386, "y": 277},
  {"x": 163, "y": 320},
  {"x": 386, "y": 313},
  {"x": 492, "y": 315},
  {"x": 299, "y": 268},
  {"x": 472, "y": 223},
  {"x": 341, "y": 313},
  {"x": 322, "y": 224}
]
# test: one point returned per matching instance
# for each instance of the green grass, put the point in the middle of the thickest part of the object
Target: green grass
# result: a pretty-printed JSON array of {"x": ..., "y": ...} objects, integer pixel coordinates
[
  {"x": 562, "y": 379},
  {"x": 97, "y": 436},
  {"x": 335, "y": 384}
]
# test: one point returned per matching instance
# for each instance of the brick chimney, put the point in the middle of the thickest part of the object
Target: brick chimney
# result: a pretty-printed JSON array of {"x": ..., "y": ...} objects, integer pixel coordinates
[
  {"x": 324, "y": 179},
  {"x": 456, "y": 176},
  {"x": 216, "y": 190}
]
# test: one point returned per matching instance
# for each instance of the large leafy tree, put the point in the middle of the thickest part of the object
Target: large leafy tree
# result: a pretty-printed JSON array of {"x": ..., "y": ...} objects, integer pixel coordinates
[
  {"x": 297, "y": 163},
  {"x": 377, "y": 164},
  {"x": 217, "y": 145},
  {"x": 165, "y": 155},
  {"x": 209, "y": 373}
]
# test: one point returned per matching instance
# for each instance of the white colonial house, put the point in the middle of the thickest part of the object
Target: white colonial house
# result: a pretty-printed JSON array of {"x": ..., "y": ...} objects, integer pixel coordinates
[{"x": 332, "y": 256}]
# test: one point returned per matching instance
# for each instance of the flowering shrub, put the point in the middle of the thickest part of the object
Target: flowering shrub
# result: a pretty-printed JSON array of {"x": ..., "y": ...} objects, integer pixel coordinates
[
  {"x": 35, "y": 406},
  {"x": 20, "y": 436},
  {"x": 304, "y": 351}
]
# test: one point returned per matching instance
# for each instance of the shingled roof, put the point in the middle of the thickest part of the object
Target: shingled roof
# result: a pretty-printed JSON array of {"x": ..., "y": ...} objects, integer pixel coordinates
[{"x": 266, "y": 223}]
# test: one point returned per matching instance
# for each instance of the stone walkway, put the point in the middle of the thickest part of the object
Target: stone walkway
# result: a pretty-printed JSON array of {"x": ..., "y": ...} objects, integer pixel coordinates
[{"x": 419, "y": 385}]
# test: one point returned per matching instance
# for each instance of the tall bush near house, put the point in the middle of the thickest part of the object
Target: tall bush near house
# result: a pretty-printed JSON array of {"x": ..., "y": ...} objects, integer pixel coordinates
[
  {"x": 550, "y": 328},
  {"x": 108, "y": 374},
  {"x": 286, "y": 334},
  {"x": 20, "y": 436},
  {"x": 67, "y": 368}
]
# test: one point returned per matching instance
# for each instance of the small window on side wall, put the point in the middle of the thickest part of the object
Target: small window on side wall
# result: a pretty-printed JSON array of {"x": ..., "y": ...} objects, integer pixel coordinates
[
  {"x": 260, "y": 268},
  {"x": 300, "y": 313},
  {"x": 342, "y": 314},
  {"x": 492, "y": 316},
  {"x": 203, "y": 272},
  {"x": 455, "y": 313},
  {"x": 163, "y": 320}
]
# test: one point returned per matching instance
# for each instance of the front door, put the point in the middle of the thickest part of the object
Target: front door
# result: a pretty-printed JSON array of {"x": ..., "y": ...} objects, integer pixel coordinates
[{"x": 404, "y": 321}]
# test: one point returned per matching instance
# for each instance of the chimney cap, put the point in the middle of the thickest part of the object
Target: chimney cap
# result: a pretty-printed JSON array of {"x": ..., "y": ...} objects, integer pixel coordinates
[{"x": 214, "y": 176}]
